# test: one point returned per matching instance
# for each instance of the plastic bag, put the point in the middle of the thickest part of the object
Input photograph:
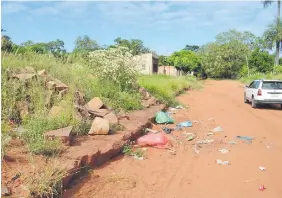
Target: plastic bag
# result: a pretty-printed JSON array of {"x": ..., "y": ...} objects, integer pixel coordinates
[
  {"x": 184, "y": 124},
  {"x": 163, "y": 118},
  {"x": 153, "y": 139}
]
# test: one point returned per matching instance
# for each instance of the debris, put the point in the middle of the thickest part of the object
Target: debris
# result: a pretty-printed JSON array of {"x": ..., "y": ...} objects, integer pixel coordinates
[
  {"x": 20, "y": 130},
  {"x": 138, "y": 158},
  {"x": 217, "y": 129},
  {"x": 63, "y": 134},
  {"x": 99, "y": 126},
  {"x": 195, "y": 148},
  {"x": 5, "y": 191},
  {"x": 232, "y": 142},
  {"x": 172, "y": 151},
  {"x": 111, "y": 117},
  {"x": 163, "y": 118},
  {"x": 60, "y": 85},
  {"x": 94, "y": 104},
  {"x": 223, "y": 151},
  {"x": 206, "y": 141},
  {"x": 179, "y": 107},
  {"x": 144, "y": 93},
  {"x": 189, "y": 136},
  {"x": 267, "y": 147},
  {"x": 184, "y": 124},
  {"x": 51, "y": 85},
  {"x": 24, "y": 77},
  {"x": 42, "y": 72},
  {"x": 144, "y": 149},
  {"x": 99, "y": 112},
  {"x": 247, "y": 139},
  {"x": 151, "y": 130},
  {"x": 167, "y": 130},
  {"x": 210, "y": 134},
  {"x": 172, "y": 109},
  {"x": 62, "y": 93},
  {"x": 151, "y": 139},
  {"x": 210, "y": 119},
  {"x": 262, "y": 188},
  {"x": 150, "y": 102},
  {"x": 262, "y": 168},
  {"x": 222, "y": 162}
]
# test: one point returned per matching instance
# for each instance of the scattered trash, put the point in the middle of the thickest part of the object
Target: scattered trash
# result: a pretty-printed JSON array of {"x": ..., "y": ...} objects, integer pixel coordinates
[
  {"x": 172, "y": 151},
  {"x": 167, "y": 130},
  {"x": 179, "y": 107},
  {"x": 232, "y": 142},
  {"x": 171, "y": 112},
  {"x": 222, "y": 162},
  {"x": 151, "y": 139},
  {"x": 144, "y": 149},
  {"x": 224, "y": 151},
  {"x": 195, "y": 148},
  {"x": 262, "y": 168},
  {"x": 184, "y": 124},
  {"x": 151, "y": 130},
  {"x": 267, "y": 147},
  {"x": 190, "y": 137},
  {"x": 247, "y": 139},
  {"x": 163, "y": 118},
  {"x": 217, "y": 129},
  {"x": 210, "y": 134},
  {"x": 5, "y": 191},
  {"x": 138, "y": 158},
  {"x": 206, "y": 141},
  {"x": 262, "y": 188},
  {"x": 172, "y": 109}
]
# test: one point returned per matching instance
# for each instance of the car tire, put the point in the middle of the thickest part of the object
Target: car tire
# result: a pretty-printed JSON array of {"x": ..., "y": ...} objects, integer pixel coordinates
[
  {"x": 245, "y": 99},
  {"x": 254, "y": 105}
]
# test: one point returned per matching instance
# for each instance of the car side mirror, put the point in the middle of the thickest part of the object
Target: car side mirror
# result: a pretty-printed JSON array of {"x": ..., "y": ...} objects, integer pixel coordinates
[{"x": 247, "y": 86}]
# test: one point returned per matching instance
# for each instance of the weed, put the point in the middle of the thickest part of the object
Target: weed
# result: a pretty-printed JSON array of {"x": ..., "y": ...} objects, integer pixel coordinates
[
  {"x": 5, "y": 139},
  {"x": 129, "y": 151}
]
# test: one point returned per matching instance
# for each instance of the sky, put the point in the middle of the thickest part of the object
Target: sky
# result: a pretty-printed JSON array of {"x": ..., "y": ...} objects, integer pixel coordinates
[{"x": 163, "y": 26}]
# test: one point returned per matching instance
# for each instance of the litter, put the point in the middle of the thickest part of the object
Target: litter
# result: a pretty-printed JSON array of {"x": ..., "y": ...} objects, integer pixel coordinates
[
  {"x": 267, "y": 147},
  {"x": 232, "y": 142},
  {"x": 222, "y": 162},
  {"x": 138, "y": 158},
  {"x": 217, "y": 129},
  {"x": 195, "y": 148},
  {"x": 151, "y": 130},
  {"x": 167, "y": 130},
  {"x": 210, "y": 134},
  {"x": 190, "y": 137},
  {"x": 172, "y": 109},
  {"x": 184, "y": 124},
  {"x": 262, "y": 168},
  {"x": 153, "y": 139},
  {"x": 224, "y": 151},
  {"x": 206, "y": 141},
  {"x": 262, "y": 188},
  {"x": 179, "y": 107},
  {"x": 163, "y": 118},
  {"x": 247, "y": 139}
]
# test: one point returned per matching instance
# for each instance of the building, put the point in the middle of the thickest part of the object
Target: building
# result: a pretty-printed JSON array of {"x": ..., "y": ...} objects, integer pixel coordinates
[
  {"x": 167, "y": 70},
  {"x": 148, "y": 63}
]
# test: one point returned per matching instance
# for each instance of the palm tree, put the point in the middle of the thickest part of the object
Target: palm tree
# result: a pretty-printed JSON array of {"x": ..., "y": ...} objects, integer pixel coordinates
[{"x": 266, "y": 3}]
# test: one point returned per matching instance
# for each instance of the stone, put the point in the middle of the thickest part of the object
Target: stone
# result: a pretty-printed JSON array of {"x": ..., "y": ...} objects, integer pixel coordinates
[
  {"x": 63, "y": 134},
  {"x": 29, "y": 70},
  {"x": 150, "y": 102},
  {"x": 112, "y": 118},
  {"x": 23, "y": 108},
  {"x": 60, "y": 85},
  {"x": 49, "y": 98},
  {"x": 62, "y": 93},
  {"x": 51, "y": 85},
  {"x": 5, "y": 191},
  {"x": 79, "y": 98},
  {"x": 24, "y": 77},
  {"x": 144, "y": 93},
  {"x": 94, "y": 104},
  {"x": 42, "y": 72},
  {"x": 99, "y": 112},
  {"x": 99, "y": 126}
]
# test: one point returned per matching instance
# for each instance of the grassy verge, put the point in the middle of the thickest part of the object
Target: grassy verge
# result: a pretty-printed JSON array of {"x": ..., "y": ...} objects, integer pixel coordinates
[
  {"x": 166, "y": 87},
  {"x": 256, "y": 76}
]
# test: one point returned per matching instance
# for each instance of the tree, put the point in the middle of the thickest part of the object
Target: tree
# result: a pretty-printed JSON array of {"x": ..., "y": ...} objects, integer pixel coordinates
[
  {"x": 6, "y": 43},
  {"x": 163, "y": 60},
  {"x": 266, "y": 3},
  {"x": 85, "y": 44},
  {"x": 261, "y": 61},
  {"x": 136, "y": 46},
  {"x": 185, "y": 60},
  {"x": 193, "y": 48}
]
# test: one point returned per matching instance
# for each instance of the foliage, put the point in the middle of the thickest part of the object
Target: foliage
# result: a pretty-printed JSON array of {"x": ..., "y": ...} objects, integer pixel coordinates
[
  {"x": 6, "y": 43},
  {"x": 193, "y": 48},
  {"x": 257, "y": 75},
  {"x": 261, "y": 61},
  {"x": 85, "y": 44},
  {"x": 185, "y": 60},
  {"x": 136, "y": 46},
  {"x": 5, "y": 139},
  {"x": 272, "y": 34},
  {"x": 163, "y": 60}
]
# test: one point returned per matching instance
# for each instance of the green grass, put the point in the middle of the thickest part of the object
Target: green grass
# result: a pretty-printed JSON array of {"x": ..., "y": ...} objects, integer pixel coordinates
[
  {"x": 256, "y": 76},
  {"x": 166, "y": 87}
]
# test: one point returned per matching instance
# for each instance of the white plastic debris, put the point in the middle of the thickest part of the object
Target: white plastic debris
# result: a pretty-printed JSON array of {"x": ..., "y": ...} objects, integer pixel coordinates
[
  {"x": 138, "y": 158},
  {"x": 210, "y": 134},
  {"x": 224, "y": 151},
  {"x": 221, "y": 162},
  {"x": 217, "y": 129},
  {"x": 267, "y": 147},
  {"x": 151, "y": 130},
  {"x": 195, "y": 148},
  {"x": 232, "y": 142},
  {"x": 206, "y": 141},
  {"x": 262, "y": 168}
]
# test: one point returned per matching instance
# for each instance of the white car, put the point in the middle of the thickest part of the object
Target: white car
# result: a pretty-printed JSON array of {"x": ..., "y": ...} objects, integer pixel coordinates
[{"x": 263, "y": 92}]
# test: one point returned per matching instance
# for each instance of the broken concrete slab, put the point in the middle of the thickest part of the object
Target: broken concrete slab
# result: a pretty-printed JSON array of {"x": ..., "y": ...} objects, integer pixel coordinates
[
  {"x": 60, "y": 85},
  {"x": 24, "y": 76},
  {"x": 49, "y": 98},
  {"x": 51, "y": 85},
  {"x": 42, "y": 72},
  {"x": 99, "y": 126},
  {"x": 99, "y": 112},
  {"x": 150, "y": 102},
  {"x": 111, "y": 117},
  {"x": 79, "y": 98},
  {"x": 94, "y": 104},
  {"x": 62, "y": 133},
  {"x": 62, "y": 93},
  {"x": 23, "y": 108}
]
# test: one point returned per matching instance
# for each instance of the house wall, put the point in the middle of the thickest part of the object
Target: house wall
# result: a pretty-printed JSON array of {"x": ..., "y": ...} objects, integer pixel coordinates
[
  {"x": 147, "y": 63},
  {"x": 168, "y": 70}
]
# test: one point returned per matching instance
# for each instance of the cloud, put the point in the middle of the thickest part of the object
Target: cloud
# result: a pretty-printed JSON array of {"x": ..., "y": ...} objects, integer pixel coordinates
[{"x": 11, "y": 8}]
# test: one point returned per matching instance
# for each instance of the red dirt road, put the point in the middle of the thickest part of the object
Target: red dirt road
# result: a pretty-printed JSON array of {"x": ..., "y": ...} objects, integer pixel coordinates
[{"x": 187, "y": 174}]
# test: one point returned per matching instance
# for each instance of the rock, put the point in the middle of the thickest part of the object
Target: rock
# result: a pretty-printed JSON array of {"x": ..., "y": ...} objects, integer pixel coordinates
[
  {"x": 99, "y": 112},
  {"x": 24, "y": 77},
  {"x": 49, "y": 98},
  {"x": 60, "y": 85},
  {"x": 62, "y": 93},
  {"x": 5, "y": 191},
  {"x": 111, "y": 117},
  {"x": 94, "y": 104},
  {"x": 99, "y": 126},
  {"x": 79, "y": 98},
  {"x": 150, "y": 102},
  {"x": 23, "y": 108},
  {"x": 42, "y": 72},
  {"x": 51, "y": 85},
  {"x": 145, "y": 94},
  {"x": 63, "y": 134}
]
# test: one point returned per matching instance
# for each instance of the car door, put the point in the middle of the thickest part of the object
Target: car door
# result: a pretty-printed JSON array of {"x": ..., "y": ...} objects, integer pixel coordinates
[{"x": 249, "y": 90}]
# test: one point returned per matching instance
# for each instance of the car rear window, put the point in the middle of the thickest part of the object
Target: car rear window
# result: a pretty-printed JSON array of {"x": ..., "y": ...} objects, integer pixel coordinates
[{"x": 272, "y": 85}]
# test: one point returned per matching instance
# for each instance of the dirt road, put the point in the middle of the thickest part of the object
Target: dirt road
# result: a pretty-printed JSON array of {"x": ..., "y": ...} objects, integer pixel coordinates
[{"x": 187, "y": 174}]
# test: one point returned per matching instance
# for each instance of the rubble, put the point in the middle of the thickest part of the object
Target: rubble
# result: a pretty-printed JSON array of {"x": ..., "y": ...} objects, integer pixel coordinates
[
  {"x": 63, "y": 134},
  {"x": 94, "y": 104},
  {"x": 99, "y": 126},
  {"x": 24, "y": 76},
  {"x": 111, "y": 117}
]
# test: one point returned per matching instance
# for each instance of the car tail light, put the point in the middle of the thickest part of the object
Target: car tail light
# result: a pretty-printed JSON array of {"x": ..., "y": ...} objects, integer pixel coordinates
[{"x": 259, "y": 92}]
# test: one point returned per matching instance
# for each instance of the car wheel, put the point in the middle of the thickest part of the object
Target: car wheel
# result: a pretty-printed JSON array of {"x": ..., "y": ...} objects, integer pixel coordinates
[
  {"x": 245, "y": 99},
  {"x": 254, "y": 105}
]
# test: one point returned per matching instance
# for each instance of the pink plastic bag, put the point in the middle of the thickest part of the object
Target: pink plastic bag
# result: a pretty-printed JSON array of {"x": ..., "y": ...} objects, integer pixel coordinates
[{"x": 153, "y": 139}]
